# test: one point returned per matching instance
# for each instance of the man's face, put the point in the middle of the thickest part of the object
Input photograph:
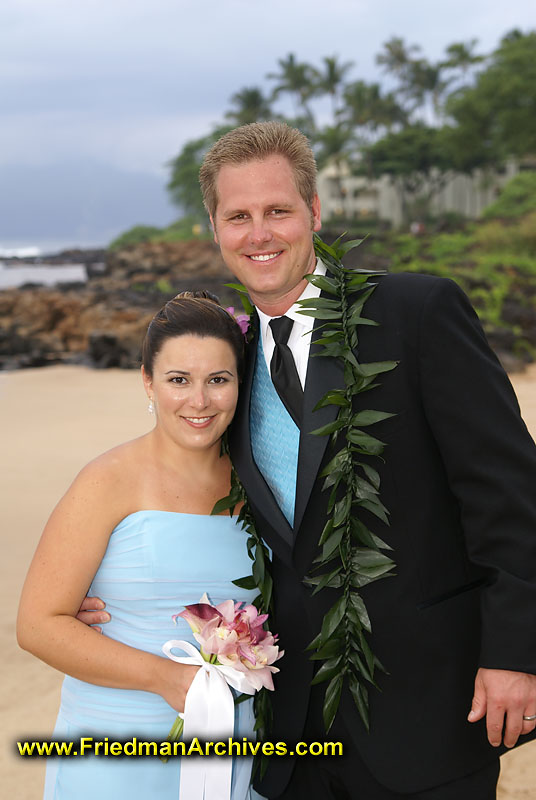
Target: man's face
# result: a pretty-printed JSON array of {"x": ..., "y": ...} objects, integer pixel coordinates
[{"x": 264, "y": 230}]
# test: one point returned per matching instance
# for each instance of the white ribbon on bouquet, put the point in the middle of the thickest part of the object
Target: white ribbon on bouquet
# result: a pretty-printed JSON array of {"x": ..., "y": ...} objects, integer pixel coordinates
[{"x": 208, "y": 715}]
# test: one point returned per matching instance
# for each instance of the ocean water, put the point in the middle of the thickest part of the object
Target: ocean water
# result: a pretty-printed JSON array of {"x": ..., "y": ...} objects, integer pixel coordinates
[
  {"x": 13, "y": 276},
  {"x": 29, "y": 251}
]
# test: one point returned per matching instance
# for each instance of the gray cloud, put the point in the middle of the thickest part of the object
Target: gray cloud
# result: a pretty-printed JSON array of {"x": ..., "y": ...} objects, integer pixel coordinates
[{"x": 127, "y": 82}]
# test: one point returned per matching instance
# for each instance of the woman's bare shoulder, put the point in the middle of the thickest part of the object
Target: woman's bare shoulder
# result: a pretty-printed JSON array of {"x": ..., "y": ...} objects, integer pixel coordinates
[
  {"x": 112, "y": 478},
  {"x": 122, "y": 457}
]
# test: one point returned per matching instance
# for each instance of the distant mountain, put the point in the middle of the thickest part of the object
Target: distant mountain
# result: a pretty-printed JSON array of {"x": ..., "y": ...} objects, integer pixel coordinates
[{"x": 77, "y": 203}]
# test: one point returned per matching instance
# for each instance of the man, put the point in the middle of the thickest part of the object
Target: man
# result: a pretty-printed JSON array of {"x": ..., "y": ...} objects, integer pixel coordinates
[{"x": 456, "y": 627}]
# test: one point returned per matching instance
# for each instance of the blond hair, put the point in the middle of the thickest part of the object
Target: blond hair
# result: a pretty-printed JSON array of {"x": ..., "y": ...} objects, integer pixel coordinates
[{"x": 255, "y": 142}]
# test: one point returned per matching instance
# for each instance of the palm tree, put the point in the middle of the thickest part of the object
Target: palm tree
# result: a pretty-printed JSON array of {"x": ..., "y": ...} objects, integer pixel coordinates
[
  {"x": 297, "y": 79},
  {"x": 333, "y": 147},
  {"x": 330, "y": 80},
  {"x": 251, "y": 106},
  {"x": 425, "y": 80},
  {"x": 367, "y": 109},
  {"x": 418, "y": 78},
  {"x": 460, "y": 57},
  {"x": 396, "y": 56}
]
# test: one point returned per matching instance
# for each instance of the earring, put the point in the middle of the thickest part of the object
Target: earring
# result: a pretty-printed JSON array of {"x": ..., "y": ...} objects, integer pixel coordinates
[{"x": 150, "y": 407}]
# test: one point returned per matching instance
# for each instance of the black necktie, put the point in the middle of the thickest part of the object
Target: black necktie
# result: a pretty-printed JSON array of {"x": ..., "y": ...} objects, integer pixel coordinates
[{"x": 283, "y": 369}]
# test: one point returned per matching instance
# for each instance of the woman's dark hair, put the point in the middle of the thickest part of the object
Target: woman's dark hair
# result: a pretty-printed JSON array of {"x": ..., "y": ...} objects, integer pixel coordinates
[{"x": 197, "y": 313}]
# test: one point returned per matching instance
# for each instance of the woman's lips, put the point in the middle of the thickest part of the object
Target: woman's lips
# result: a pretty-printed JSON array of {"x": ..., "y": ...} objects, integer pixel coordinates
[{"x": 198, "y": 422}]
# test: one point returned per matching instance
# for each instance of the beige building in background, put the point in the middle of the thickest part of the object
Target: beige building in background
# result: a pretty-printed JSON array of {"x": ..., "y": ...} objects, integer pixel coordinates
[{"x": 356, "y": 196}]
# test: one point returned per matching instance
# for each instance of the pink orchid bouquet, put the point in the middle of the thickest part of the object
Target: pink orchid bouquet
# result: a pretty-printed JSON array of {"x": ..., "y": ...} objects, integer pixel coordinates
[{"x": 231, "y": 636}]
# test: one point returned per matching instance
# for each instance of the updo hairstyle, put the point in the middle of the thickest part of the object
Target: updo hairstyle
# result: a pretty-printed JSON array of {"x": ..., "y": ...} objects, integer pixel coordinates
[{"x": 197, "y": 313}]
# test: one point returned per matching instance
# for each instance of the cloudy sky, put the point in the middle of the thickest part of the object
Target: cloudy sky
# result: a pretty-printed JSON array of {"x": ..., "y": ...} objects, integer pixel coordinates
[{"x": 124, "y": 83}]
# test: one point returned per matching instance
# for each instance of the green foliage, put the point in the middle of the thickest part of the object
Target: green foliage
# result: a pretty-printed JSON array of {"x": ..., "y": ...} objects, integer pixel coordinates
[
  {"x": 330, "y": 80},
  {"x": 495, "y": 237},
  {"x": 164, "y": 286},
  {"x": 297, "y": 79},
  {"x": 418, "y": 160},
  {"x": 508, "y": 241},
  {"x": 260, "y": 579},
  {"x": 183, "y": 230},
  {"x": 486, "y": 106},
  {"x": 250, "y": 106},
  {"x": 417, "y": 149},
  {"x": 184, "y": 182},
  {"x": 520, "y": 267},
  {"x": 135, "y": 235},
  {"x": 367, "y": 109},
  {"x": 351, "y": 555},
  {"x": 243, "y": 296},
  {"x": 333, "y": 145},
  {"x": 518, "y": 197},
  {"x": 495, "y": 118},
  {"x": 527, "y": 232},
  {"x": 494, "y": 262},
  {"x": 421, "y": 82},
  {"x": 449, "y": 246},
  {"x": 399, "y": 248}
]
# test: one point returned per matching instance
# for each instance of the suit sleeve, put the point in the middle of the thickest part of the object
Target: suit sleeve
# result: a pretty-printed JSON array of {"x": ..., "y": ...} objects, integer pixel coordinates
[{"x": 490, "y": 460}]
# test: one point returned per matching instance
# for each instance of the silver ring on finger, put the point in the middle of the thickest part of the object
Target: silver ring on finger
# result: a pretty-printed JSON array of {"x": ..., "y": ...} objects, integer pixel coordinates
[{"x": 529, "y": 717}]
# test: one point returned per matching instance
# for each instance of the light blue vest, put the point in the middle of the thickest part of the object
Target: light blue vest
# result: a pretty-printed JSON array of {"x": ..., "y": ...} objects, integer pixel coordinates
[{"x": 275, "y": 438}]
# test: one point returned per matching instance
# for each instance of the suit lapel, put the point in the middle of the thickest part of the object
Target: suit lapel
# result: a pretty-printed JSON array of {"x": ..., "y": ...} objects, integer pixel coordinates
[
  {"x": 253, "y": 481},
  {"x": 322, "y": 374}
]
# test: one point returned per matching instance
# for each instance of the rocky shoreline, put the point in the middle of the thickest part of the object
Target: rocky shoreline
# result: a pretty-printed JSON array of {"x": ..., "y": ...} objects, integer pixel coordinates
[{"x": 101, "y": 322}]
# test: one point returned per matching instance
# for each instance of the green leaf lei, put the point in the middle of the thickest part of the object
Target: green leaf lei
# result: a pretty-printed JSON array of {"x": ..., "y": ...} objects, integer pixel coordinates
[
  {"x": 260, "y": 579},
  {"x": 258, "y": 552},
  {"x": 351, "y": 555}
]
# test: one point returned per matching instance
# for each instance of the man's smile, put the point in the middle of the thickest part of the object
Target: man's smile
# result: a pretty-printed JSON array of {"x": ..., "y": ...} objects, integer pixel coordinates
[{"x": 265, "y": 256}]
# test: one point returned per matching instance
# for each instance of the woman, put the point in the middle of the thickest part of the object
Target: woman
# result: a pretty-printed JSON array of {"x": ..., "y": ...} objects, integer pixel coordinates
[{"x": 135, "y": 528}]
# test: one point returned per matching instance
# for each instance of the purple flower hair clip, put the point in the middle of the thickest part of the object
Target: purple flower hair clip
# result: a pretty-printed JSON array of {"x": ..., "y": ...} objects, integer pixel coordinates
[{"x": 242, "y": 319}]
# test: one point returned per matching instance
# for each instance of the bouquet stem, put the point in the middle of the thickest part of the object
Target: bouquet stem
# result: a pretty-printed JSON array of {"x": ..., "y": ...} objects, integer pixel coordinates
[{"x": 175, "y": 734}]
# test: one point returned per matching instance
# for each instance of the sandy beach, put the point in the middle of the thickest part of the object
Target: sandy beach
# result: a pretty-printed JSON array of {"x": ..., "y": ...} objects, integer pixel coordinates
[{"x": 54, "y": 420}]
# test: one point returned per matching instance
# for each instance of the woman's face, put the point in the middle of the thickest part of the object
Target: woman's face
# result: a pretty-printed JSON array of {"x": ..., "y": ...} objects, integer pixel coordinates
[{"x": 194, "y": 389}]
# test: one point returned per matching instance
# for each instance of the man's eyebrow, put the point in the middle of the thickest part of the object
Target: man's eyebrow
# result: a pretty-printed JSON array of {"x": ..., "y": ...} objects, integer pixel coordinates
[
  {"x": 231, "y": 212},
  {"x": 283, "y": 206}
]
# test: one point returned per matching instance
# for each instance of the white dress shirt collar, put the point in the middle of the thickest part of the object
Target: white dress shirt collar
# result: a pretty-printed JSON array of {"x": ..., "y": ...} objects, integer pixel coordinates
[{"x": 300, "y": 336}]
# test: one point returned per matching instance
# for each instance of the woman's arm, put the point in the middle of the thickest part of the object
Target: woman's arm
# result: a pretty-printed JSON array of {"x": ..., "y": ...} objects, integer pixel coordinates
[
  {"x": 93, "y": 612},
  {"x": 66, "y": 560}
]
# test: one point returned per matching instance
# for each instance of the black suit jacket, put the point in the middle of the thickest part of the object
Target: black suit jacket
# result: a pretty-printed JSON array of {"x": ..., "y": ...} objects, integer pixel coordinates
[{"x": 458, "y": 478}]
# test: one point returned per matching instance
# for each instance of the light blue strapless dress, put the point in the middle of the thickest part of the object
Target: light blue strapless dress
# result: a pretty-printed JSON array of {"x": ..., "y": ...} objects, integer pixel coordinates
[{"x": 156, "y": 563}]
